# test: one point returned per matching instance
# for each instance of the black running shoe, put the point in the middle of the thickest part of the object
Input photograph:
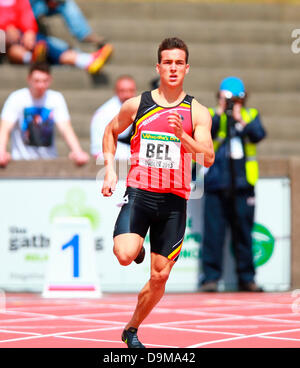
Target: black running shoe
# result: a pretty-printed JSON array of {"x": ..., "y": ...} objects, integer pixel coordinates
[
  {"x": 130, "y": 338},
  {"x": 140, "y": 257}
]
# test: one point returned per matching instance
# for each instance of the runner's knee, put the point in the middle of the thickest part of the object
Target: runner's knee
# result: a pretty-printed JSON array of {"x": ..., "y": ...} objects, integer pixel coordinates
[
  {"x": 159, "y": 278},
  {"x": 123, "y": 258}
]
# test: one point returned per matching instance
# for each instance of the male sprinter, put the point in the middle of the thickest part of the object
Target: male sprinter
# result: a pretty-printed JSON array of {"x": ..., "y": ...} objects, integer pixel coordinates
[{"x": 170, "y": 128}]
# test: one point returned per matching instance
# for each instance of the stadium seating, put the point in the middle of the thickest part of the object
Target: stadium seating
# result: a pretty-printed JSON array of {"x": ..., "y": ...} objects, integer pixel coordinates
[{"x": 252, "y": 41}]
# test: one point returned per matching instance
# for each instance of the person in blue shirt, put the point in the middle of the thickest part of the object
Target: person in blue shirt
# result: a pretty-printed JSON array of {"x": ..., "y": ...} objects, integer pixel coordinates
[
  {"x": 57, "y": 51},
  {"x": 73, "y": 17},
  {"x": 229, "y": 186}
]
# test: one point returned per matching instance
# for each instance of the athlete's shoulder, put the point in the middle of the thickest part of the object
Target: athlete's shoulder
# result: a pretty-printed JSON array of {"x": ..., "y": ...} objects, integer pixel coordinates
[
  {"x": 129, "y": 108},
  {"x": 132, "y": 103},
  {"x": 200, "y": 113},
  {"x": 196, "y": 105}
]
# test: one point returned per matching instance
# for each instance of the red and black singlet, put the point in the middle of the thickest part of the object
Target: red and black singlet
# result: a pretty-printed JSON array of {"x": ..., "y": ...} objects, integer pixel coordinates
[{"x": 159, "y": 162}]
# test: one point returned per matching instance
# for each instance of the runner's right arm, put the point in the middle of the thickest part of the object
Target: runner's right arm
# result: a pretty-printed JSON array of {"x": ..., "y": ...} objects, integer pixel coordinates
[{"x": 119, "y": 123}]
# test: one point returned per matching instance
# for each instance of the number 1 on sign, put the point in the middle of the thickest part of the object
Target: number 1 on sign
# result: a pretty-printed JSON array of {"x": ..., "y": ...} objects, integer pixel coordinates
[{"x": 74, "y": 243}]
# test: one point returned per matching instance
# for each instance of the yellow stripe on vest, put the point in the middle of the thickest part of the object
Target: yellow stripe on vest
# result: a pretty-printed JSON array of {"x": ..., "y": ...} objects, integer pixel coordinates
[
  {"x": 185, "y": 105},
  {"x": 144, "y": 117}
]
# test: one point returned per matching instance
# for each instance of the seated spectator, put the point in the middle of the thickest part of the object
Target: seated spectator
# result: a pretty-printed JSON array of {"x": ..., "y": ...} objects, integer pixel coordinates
[
  {"x": 17, "y": 20},
  {"x": 30, "y": 115},
  {"x": 125, "y": 88},
  {"x": 25, "y": 45},
  {"x": 71, "y": 13}
]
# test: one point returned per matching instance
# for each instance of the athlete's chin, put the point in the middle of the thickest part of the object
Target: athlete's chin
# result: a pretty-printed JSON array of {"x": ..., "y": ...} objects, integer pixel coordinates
[{"x": 174, "y": 82}]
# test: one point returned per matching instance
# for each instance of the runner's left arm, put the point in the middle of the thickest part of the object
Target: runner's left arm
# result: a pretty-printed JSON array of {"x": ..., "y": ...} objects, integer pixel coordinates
[{"x": 200, "y": 145}]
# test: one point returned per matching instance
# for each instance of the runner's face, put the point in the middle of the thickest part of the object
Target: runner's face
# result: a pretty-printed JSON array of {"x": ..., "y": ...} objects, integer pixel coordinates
[
  {"x": 173, "y": 67},
  {"x": 38, "y": 82}
]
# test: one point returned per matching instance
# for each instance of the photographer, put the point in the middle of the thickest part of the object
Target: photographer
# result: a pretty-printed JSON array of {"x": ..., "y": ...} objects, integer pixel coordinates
[{"x": 229, "y": 186}]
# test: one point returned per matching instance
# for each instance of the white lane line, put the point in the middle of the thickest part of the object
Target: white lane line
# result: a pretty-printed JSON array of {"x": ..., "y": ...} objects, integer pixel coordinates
[
  {"x": 77, "y": 316},
  {"x": 30, "y": 314},
  {"x": 241, "y": 338},
  {"x": 88, "y": 339},
  {"x": 19, "y": 332},
  {"x": 209, "y": 320},
  {"x": 195, "y": 331},
  {"x": 62, "y": 333},
  {"x": 104, "y": 321},
  {"x": 73, "y": 307},
  {"x": 112, "y": 341},
  {"x": 279, "y": 320},
  {"x": 279, "y": 338},
  {"x": 26, "y": 319}
]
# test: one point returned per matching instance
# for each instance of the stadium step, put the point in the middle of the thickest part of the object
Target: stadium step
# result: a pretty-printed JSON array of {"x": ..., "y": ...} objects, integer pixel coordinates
[
  {"x": 201, "y": 78},
  {"x": 196, "y": 10},
  {"x": 249, "y": 40}
]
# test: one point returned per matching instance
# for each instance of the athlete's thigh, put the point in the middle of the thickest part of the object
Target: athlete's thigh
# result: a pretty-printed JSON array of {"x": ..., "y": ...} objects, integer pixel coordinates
[
  {"x": 132, "y": 224},
  {"x": 166, "y": 235}
]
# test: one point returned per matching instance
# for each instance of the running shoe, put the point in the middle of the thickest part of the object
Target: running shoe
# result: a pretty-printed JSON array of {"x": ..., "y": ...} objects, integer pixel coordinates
[
  {"x": 99, "y": 58},
  {"x": 130, "y": 338},
  {"x": 39, "y": 53},
  {"x": 140, "y": 257}
]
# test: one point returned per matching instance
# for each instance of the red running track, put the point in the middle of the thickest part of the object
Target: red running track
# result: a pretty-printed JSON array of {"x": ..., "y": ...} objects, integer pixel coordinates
[{"x": 218, "y": 320}]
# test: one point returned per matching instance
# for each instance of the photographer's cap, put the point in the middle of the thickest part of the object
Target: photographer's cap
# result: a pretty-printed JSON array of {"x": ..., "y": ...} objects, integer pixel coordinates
[{"x": 233, "y": 85}]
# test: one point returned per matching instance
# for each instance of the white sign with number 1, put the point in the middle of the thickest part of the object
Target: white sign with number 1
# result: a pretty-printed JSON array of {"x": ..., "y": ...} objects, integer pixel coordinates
[{"x": 71, "y": 267}]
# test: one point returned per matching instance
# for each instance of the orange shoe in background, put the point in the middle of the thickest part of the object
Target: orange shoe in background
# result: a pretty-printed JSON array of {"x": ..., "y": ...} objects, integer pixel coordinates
[
  {"x": 40, "y": 52},
  {"x": 99, "y": 58}
]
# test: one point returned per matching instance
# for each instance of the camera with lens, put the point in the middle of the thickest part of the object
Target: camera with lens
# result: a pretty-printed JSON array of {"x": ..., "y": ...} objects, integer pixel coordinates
[{"x": 230, "y": 102}]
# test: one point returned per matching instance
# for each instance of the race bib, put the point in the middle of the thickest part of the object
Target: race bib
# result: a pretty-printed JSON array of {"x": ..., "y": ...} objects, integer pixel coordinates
[{"x": 159, "y": 150}]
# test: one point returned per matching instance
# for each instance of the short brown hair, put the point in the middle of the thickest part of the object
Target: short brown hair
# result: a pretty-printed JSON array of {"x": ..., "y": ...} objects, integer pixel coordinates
[
  {"x": 170, "y": 44},
  {"x": 42, "y": 67}
]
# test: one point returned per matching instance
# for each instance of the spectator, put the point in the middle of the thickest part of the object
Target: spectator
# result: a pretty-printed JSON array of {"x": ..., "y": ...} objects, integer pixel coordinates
[
  {"x": 229, "y": 186},
  {"x": 25, "y": 45},
  {"x": 17, "y": 20},
  {"x": 125, "y": 88},
  {"x": 72, "y": 15},
  {"x": 30, "y": 114}
]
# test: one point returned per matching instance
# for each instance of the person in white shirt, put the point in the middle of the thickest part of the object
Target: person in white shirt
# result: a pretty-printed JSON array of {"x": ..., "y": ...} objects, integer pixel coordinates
[
  {"x": 29, "y": 116},
  {"x": 125, "y": 88}
]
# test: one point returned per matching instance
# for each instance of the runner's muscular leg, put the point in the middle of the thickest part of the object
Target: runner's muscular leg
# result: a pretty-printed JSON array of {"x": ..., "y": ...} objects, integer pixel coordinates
[
  {"x": 153, "y": 291},
  {"x": 127, "y": 247}
]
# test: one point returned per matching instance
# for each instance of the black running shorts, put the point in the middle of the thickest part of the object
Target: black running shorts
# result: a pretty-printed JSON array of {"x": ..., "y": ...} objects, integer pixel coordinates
[{"x": 163, "y": 213}]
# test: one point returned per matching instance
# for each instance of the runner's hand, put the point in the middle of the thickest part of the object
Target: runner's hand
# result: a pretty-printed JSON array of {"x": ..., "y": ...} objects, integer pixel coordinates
[
  {"x": 175, "y": 121},
  {"x": 110, "y": 182}
]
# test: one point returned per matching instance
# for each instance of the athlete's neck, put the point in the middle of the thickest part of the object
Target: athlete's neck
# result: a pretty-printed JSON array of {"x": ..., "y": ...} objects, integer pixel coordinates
[{"x": 168, "y": 97}]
